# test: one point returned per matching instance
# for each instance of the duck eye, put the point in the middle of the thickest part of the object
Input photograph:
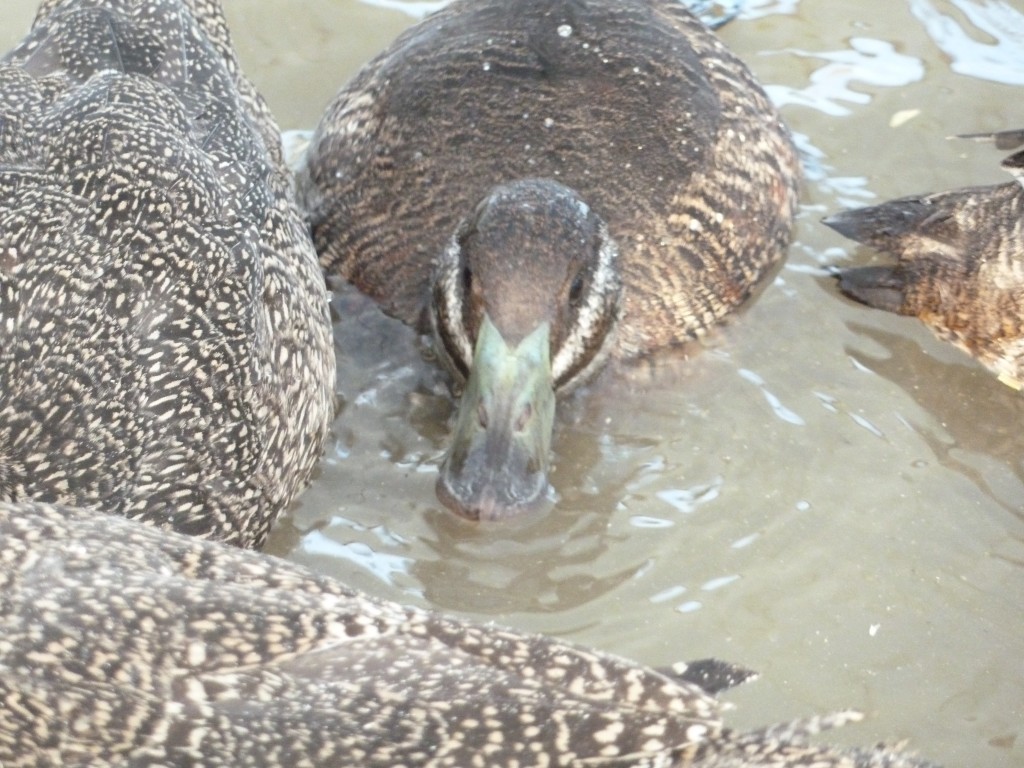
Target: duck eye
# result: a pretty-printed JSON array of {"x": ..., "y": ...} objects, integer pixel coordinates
[{"x": 576, "y": 290}]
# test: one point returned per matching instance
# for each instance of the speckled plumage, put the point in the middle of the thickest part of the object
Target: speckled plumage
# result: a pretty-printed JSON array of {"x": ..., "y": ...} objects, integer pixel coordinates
[
  {"x": 121, "y": 644},
  {"x": 959, "y": 263},
  {"x": 638, "y": 108},
  {"x": 166, "y": 351}
]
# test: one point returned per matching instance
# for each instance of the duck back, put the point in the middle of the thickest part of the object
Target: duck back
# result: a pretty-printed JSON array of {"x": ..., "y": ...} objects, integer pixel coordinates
[
  {"x": 218, "y": 657},
  {"x": 166, "y": 348}
]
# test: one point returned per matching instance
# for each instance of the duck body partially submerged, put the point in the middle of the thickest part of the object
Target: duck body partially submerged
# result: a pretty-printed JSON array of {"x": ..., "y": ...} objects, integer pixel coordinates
[
  {"x": 126, "y": 645},
  {"x": 593, "y": 181},
  {"x": 959, "y": 263}
]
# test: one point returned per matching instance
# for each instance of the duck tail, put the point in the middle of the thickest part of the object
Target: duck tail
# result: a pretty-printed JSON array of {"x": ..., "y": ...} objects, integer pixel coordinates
[
  {"x": 711, "y": 675},
  {"x": 1004, "y": 140},
  {"x": 883, "y": 226},
  {"x": 878, "y": 287}
]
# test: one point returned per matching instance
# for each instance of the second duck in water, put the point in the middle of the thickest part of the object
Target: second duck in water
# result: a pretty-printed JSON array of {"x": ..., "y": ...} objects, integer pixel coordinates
[
  {"x": 547, "y": 186},
  {"x": 959, "y": 263},
  {"x": 128, "y": 646}
]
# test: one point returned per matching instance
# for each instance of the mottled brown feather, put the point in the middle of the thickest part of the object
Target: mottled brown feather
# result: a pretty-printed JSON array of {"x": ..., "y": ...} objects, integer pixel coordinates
[{"x": 165, "y": 347}]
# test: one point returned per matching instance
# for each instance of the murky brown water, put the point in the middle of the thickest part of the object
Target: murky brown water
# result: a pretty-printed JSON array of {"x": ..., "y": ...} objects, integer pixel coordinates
[{"x": 823, "y": 493}]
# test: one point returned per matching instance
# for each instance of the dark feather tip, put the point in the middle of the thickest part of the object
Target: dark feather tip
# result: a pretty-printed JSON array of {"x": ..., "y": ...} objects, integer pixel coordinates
[
  {"x": 1015, "y": 165},
  {"x": 879, "y": 225},
  {"x": 878, "y": 287},
  {"x": 1005, "y": 140},
  {"x": 870, "y": 225},
  {"x": 711, "y": 675},
  {"x": 845, "y": 222}
]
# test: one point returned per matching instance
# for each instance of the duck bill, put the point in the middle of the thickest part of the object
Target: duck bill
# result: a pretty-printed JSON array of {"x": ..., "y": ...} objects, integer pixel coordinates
[{"x": 497, "y": 464}]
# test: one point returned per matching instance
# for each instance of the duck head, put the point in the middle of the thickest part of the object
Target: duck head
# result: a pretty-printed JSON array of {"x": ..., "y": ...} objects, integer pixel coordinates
[{"x": 525, "y": 301}]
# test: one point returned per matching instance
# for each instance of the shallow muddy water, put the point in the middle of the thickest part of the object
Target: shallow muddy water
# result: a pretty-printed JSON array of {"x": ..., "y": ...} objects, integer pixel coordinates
[{"x": 821, "y": 492}]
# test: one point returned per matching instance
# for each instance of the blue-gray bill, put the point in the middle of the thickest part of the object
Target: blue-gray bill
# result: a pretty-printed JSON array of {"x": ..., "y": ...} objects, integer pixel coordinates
[{"x": 497, "y": 465}]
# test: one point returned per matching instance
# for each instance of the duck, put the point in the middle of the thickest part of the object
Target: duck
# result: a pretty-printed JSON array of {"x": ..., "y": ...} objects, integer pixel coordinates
[
  {"x": 166, "y": 349},
  {"x": 547, "y": 188},
  {"x": 126, "y": 644},
  {"x": 959, "y": 262}
]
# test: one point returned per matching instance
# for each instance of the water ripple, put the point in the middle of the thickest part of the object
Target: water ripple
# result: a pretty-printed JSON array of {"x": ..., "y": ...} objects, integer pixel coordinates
[
  {"x": 686, "y": 500},
  {"x": 1000, "y": 60},
  {"x": 866, "y": 424},
  {"x": 382, "y": 565},
  {"x": 717, "y": 583},
  {"x": 690, "y": 606},
  {"x": 849, "y": 191},
  {"x": 869, "y": 61},
  {"x": 667, "y": 594},
  {"x": 755, "y": 9},
  {"x": 417, "y": 9},
  {"x": 646, "y": 521},
  {"x": 784, "y": 413},
  {"x": 745, "y": 541}
]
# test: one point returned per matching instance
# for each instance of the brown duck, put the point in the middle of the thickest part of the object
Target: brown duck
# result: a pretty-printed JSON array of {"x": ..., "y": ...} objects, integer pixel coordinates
[
  {"x": 959, "y": 263},
  {"x": 130, "y": 646},
  {"x": 165, "y": 345},
  {"x": 548, "y": 186}
]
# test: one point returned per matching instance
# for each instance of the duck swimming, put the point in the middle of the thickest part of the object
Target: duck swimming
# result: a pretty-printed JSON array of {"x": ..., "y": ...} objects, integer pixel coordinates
[
  {"x": 166, "y": 349},
  {"x": 959, "y": 263},
  {"x": 548, "y": 186},
  {"x": 127, "y": 645}
]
